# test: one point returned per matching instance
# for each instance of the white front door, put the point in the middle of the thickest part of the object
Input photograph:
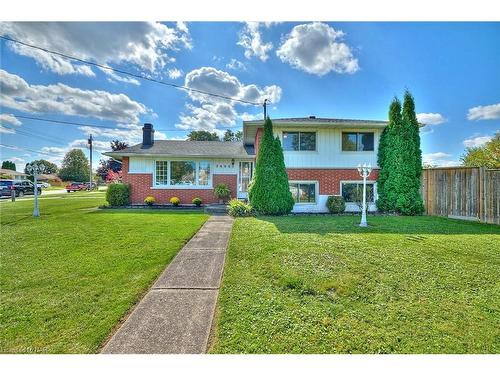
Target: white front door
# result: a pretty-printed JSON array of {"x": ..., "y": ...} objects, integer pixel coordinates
[{"x": 244, "y": 177}]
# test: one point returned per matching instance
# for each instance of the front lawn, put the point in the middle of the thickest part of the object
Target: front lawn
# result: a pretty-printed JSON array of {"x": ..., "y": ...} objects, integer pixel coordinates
[
  {"x": 321, "y": 284},
  {"x": 67, "y": 278}
]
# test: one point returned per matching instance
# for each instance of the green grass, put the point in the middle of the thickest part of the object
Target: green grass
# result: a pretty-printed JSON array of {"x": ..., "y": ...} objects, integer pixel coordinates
[
  {"x": 321, "y": 284},
  {"x": 68, "y": 277}
]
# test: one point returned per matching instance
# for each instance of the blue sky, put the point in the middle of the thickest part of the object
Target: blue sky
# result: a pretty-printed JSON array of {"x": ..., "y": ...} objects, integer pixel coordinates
[{"x": 343, "y": 70}]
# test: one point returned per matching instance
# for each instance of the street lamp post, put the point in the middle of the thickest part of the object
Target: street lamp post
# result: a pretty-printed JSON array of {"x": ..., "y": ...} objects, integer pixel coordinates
[
  {"x": 364, "y": 171},
  {"x": 35, "y": 170}
]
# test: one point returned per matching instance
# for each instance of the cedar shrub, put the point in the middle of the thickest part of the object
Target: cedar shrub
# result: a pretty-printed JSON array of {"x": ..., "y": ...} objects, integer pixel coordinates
[{"x": 269, "y": 193}]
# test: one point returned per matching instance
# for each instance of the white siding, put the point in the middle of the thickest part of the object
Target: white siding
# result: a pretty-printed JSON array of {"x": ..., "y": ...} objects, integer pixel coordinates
[
  {"x": 329, "y": 152},
  {"x": 140, "y": 165}
]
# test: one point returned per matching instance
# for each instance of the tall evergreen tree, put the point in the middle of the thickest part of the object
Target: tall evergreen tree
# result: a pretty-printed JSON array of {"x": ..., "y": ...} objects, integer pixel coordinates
[
  {"x": 386, "y": 158},
  {"x": 409, "y": 169},
  {"x": 269, "y": 192},
  {"x": 400, "y": 161}
]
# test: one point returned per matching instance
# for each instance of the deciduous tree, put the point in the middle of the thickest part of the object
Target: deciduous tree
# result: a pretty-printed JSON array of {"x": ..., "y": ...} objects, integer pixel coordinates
[{"x": 75, "y": 166}]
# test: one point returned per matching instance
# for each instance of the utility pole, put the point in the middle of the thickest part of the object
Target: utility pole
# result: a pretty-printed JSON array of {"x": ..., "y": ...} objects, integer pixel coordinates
[
  {"x": 265, "y": 109},
  {"x": 90, "y": 146}
]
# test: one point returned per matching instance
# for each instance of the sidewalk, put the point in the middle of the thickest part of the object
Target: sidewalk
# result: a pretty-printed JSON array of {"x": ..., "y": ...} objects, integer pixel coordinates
[{"x": 176, "y": 315}]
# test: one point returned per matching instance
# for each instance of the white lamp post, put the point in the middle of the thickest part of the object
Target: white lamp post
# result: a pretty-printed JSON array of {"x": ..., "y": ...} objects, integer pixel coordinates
[
  {"x": 364, "y": 171},
  {"x": 35, "y": 170}
]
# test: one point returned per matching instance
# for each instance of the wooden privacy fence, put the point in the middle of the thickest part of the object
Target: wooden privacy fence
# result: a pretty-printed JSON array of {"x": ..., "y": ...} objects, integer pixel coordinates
[{"x": 462, "y": 192}]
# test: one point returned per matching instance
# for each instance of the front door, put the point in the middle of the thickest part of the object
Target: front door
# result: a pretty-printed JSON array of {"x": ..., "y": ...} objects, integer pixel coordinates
[{"x": 244, "y": 178}]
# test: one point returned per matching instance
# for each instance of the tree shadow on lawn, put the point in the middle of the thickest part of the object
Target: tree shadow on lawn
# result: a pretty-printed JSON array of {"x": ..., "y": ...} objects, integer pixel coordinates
[
  {"x": 146, "y": 211},
  {"x": 379, "y": 224}
]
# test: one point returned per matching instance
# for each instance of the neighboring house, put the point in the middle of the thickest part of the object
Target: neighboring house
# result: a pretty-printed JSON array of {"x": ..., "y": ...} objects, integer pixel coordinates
[
  {"x": 12, "y": 175},
  {"x": 321, "y": 157}
]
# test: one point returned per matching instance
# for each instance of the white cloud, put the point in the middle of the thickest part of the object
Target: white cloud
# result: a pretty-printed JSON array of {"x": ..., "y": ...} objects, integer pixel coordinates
[
  {"x": 213, "y": 111},
  {"x": 430, "y": 118},
  {"x": 236, "y": 65},
  {"x": 316, "y": 48},
  {"x": 10, "y": 119},
  {"x": 250, "y": 39},
  {"x": 249, "y": 117},
  {"x": 16, "y": 93},
  {"x": 207, "y": 117},
  {"x": 439, "y": 159},
  {"x": 222, "y": 83},
  {"x": 484, "y": 112},
  {"x": 477, "y": 141},
  {"x": 174, "y": 73},
  {"x": 114, "y": 77},
  {"x": 147, "y": 45}
]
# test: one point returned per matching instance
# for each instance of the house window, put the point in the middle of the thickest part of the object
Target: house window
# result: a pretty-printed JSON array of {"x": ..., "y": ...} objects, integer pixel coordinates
[
  {"x": 357, "y": 142},
  {"x": 182, "y": 172},
  {"x": 353, "y": 192},
  {"x": 161, "y": 172},
  {"x": 299, "y": 141},
  {"x": 303, "y": 192},
  {"x": 203, "y": 173}
]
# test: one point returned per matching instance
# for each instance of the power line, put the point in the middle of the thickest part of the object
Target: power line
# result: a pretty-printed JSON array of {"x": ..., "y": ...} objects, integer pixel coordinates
[
  {"x": 25, "y": 149},
  {"x": 96, "y": 126},
  {"x": 106, "y": 67},
  {"x": 35, "y": 134}
]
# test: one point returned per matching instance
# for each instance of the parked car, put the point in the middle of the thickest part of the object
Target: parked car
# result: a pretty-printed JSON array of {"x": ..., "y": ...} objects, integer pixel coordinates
[
  {"x": 76, "y": 186},
  {"x": 21, "y": 188},
  {"x": 43, "y": 185},
  {"x": 93, "y": 187}
]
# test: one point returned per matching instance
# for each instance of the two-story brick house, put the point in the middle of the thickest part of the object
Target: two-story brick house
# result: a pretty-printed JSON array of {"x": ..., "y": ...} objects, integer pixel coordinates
[{"x": 321, "y": 157}]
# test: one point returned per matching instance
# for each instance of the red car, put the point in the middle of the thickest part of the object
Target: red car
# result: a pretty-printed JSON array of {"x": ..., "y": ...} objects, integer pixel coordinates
[{"x": 76, "y": 186}]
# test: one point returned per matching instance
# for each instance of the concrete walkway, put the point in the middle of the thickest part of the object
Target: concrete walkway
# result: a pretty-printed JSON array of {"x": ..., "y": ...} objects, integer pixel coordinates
[{"x": 176, "y": 315}]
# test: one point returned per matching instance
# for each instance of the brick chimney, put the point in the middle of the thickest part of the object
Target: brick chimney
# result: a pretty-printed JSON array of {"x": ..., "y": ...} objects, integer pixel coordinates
[{"x": 148, "y": 135}]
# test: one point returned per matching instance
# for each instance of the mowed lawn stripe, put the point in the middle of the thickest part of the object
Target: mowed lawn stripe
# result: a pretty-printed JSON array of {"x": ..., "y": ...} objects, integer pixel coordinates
[
  {"x": 68, "y": 277},
  {"x": 321, "y": 284}
]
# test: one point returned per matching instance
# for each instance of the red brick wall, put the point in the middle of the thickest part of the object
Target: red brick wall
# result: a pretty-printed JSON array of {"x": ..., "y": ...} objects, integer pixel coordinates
[
  {"x": 329, "y": 179},
  {"x": 140, "y": 188}
]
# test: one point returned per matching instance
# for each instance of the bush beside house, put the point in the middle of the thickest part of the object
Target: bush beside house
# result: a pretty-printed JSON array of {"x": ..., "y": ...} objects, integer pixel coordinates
[
  {"x": 335, "y": 204},
  {"x": 238, "y": 208},
  {"x": 269, "y": 194},
  {"x": 118, "y": 194}
]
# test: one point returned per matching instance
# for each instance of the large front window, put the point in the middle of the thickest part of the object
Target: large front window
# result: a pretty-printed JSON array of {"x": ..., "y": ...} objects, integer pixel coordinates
[
  {"x": 182, "y": 173},
  {"x": 303, "y": 192},
  {"x": 299, "y": 141},
  {"x": 353, "y": 192},
  {"x": 357, "y": 141}
]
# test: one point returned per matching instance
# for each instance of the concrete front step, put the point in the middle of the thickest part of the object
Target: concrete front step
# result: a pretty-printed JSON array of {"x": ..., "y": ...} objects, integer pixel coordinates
[{"x": 216, "y": 209}]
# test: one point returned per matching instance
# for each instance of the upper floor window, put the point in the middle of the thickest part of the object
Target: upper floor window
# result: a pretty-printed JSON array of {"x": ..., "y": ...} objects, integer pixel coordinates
[
  {"x": 299, "y": 141},
  {"x": 357, "y": 141}
]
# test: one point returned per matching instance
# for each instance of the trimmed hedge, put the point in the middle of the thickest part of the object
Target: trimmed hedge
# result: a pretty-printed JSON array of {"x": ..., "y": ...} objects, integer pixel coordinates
[
  {"x": 118, "y": 194},
  {"x": 335, "y": 204},
  {"x": 238, "y": 208}
]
